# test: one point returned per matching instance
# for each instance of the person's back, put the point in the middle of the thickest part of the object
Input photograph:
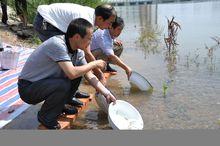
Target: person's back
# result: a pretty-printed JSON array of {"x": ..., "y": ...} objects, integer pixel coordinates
[
  {"x": 53, "y": 19},
  {"x": 61, "y": 14},
  {"x": 42, "y": 63}
]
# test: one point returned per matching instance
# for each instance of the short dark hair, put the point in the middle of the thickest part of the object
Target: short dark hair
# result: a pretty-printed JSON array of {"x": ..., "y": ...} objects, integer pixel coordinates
[
  {"x": 118, "y": 22},
  {"x": 78, "y": 26},
  {"x": 105, "y": 11}
]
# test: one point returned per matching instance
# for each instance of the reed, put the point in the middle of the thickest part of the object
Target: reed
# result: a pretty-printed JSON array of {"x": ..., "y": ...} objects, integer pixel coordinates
[{"x": 171, "y": 39}]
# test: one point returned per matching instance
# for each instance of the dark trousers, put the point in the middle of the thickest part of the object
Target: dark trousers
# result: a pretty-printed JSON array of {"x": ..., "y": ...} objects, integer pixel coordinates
[
  {"x": 44, "y": 29},
  {"x": 21, "y": 7},
  {"x": 4, "y": 11},
  {"x": 55, "y": 92}
]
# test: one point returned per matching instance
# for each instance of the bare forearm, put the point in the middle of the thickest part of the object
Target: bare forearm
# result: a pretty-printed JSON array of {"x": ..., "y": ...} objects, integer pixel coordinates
[
  {"x": 98, "y": 73},
  {"x": 117, "y": 61},
  {"x": 91, "y": 78},
  {"x": 73, "y": 72},
  {"x": 82, "y": 70},
  {"x": 99, "y": 87},
  {"x": 89, "y": 56}
]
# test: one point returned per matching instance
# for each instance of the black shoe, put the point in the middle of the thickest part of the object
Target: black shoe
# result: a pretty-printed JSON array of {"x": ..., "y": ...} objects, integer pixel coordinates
[
  {"x": 110, "y": 69},
  {"x": 75, "y": 102},
  {"x": 48, "y": 124},
  {"x": 69, "y": 110},
  {"x": 81, "y": 95}
]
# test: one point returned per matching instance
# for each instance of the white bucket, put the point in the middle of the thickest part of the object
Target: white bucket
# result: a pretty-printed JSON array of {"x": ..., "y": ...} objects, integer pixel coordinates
[
  {"x": 140, "y": 81},
  {"x": 124, "y": 116}
]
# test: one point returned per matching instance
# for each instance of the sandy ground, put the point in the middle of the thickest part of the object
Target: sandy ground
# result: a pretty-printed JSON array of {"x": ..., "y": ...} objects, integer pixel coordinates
[{"x": 7, "y": 36}]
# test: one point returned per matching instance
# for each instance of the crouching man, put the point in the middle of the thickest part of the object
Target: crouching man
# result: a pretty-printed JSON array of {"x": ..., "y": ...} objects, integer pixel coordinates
[
  {"x": 54, "y": 70},
  {"x": 105, "y": 46}
]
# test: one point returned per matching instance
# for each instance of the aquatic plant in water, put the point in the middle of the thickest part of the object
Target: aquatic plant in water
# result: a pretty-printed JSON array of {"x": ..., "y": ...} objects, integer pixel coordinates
[
  {"x": 149, "y": 39},
  {"x": 171, "y": 39},
  {"x": 171, "y": 43},
  {"x": 165, "y": 87}
]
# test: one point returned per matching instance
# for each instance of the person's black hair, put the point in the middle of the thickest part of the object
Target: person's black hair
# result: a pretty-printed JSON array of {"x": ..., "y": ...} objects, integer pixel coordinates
[
  {"x": 105, "y": 11},
  {"x": 78, "y": 26},
  {"x": 118, "y": 22}
]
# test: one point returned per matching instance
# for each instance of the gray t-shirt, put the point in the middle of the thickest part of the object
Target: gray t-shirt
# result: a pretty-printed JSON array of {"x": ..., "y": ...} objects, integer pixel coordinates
[{"x": 43, "y": 62}]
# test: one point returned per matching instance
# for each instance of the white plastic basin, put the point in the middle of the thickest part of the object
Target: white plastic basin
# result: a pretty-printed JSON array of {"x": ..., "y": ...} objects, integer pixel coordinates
[
  {"x": 124, "y": 116},
  {"x": 141, "y": 82}
]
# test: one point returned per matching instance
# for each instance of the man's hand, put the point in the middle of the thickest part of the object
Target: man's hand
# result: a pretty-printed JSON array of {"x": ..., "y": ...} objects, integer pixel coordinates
[
  {"x": 110, "y": 98},
  {"x": 128, "y": 72},
  {"x": 118, "y": 42},
  {"x": 100, "y": 64}
]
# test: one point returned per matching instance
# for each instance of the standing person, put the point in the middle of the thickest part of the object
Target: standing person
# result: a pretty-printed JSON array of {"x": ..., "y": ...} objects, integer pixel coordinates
[
  {"x": 53, "y": 71},
  {"x": 53, "y": 20},
  {"x": 21, "y": 9},
  {"x": 4, "y": 11},
  {"x": 102, "y": 46}
]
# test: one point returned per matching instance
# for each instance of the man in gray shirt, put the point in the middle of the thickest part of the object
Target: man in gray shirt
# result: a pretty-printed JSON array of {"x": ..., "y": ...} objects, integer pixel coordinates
[
  {"x": 53, "y": 72},
  {"x": 53, "y": 20}
]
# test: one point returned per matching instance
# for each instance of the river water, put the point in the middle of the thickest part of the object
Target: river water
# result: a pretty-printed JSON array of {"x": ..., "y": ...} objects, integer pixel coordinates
[{"x": 192, "y": 76}]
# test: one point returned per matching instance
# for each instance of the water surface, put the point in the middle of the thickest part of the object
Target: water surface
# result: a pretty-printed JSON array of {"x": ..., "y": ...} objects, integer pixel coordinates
[{"x": 193, "y": 77}]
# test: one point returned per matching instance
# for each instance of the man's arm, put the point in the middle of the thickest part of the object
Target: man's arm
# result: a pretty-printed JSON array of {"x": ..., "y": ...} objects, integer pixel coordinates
[
  {"x": 97, "y": 71},
  {"x": 116, "y": 60},
  {"x": 91, "y": 78},
  {"x": 73, "y": 72}
]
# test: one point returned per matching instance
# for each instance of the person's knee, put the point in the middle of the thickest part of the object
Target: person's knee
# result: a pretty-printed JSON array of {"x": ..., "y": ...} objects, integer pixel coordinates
[
  {"x": 64, "y": 85},
  {"x": 118, "y": 50},
  {"x": 77, "y": 80},
  {"x": 75, "y": 83}
]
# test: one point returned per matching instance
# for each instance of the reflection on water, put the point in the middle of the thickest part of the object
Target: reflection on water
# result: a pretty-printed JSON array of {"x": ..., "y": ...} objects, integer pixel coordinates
[
  {"x": 191, "y": 76},
  {"x": 150, "y": 39}
]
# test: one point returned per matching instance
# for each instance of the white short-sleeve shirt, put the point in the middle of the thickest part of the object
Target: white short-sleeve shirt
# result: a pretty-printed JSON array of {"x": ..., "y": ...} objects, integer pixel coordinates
[
  {"x": 61, "y": 14},
  {"x": 102, "y": 39}
]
